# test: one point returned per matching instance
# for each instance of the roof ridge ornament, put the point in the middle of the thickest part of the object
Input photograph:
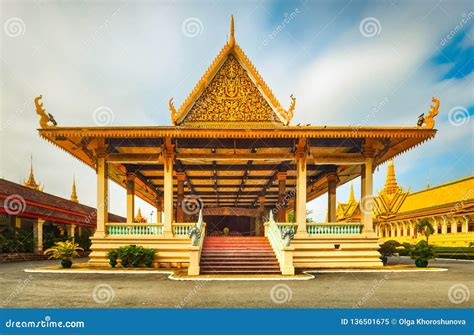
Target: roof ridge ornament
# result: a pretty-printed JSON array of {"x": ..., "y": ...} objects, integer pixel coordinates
[
  {"x": 289, "y": 113},
  {"x": 429, "y": 120},
  {"x": 47, "y": 120},
  {"x": 232, "y": 37}
]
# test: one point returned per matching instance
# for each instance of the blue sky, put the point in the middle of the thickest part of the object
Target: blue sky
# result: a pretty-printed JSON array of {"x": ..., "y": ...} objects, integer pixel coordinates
[{"x": 347, "y": 63}]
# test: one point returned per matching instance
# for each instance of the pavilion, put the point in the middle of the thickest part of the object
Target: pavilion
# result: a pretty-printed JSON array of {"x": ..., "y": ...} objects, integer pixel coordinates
[{"x": 232, "y": 153}]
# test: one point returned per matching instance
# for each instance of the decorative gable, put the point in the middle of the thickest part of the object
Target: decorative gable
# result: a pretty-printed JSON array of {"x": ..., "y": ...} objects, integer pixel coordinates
[{"x": 231, "y": 93}]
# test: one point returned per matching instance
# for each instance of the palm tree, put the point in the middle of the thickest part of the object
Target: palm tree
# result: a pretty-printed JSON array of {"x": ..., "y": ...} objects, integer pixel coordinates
[{"x": 425, "y": 227}]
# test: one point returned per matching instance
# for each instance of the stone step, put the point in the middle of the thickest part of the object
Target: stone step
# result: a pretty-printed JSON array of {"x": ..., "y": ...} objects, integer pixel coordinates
[{"x": 233, "y": 255}]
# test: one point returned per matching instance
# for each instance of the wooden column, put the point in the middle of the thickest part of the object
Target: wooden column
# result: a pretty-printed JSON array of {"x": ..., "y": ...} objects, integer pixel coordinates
[
  {"x": 71, "y": 231},
  {"x": 17, "y": 222},
  {"x": 300, "y": 157},
  {"x": 367, "y": 196},
  {"x": 102, "y": 190},
  {"x": 180, "y": 196},
  {"x": 38, "y": 235},
  {"x": 281, "y": 206},
  {"x": 332, "y": 184},
  {"x": 159, "y": 210},
  {"x": 130, "y": 197},
  {"x": 168, "y": 156}
]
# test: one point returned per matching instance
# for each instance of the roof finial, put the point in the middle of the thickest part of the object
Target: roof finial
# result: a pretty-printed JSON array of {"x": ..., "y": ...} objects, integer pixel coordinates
[
  {"x": 74, "y": 193},
  {"x": 232, "y": 38}
]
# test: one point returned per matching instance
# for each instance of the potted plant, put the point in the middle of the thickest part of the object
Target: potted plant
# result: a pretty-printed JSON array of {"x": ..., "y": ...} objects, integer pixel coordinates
[
  {"x": 65, "y": 251},
  {"x": 421, "y": 253},
  {"x": 388, "y": 248},
  {"x": 149, "y": 256},
  {"x": 123, "y": 254},
  {"x": 112, "y": 255},
  {"x": 136, "y": 254}
]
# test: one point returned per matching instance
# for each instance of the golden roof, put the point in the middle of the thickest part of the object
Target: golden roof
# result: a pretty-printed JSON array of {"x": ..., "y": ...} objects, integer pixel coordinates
[
  {"x": 457, "y": 191},
  {"x": 231, "y": 93}
]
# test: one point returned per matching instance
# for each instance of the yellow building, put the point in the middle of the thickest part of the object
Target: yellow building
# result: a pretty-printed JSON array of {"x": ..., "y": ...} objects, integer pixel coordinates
[
  {"x": 449, "y": 208},
  {"x": 232, "y": 156}
]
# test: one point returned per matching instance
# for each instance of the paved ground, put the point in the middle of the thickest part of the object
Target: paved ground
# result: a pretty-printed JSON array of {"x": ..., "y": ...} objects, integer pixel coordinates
[{"x": 20, "y": 289}]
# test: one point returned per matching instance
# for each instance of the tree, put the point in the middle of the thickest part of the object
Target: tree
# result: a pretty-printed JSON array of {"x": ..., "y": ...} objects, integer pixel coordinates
[{"x": 425, "y": 227}]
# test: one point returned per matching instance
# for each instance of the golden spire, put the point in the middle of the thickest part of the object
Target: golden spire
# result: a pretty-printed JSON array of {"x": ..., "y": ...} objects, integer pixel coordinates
[
  {"x": 351, "y": 194},
  {"x": 139, "y": 218},
  {"x": 31, "y": 182},
  {"x": 232, "y": 38},
  {"x": 391, "y": 185},
  {"x": 74, "y": 193}
]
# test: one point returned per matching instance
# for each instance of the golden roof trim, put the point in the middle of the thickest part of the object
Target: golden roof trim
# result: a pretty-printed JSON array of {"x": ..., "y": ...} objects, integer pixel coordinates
[{"x": 281, "y": 132}]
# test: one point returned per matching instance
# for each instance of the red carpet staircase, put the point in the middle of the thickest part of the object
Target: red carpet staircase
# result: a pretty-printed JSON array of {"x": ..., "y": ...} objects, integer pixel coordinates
[{"x": 238, "y": 254}]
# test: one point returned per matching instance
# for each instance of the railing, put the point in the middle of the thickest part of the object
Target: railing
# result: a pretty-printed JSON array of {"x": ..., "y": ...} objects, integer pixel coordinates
[
  {"x": 196, "y": 246},
  {"x": 334, "y": 228},
  {"x": 182, "y": 229},
  {"x": 284, "y": 253},
  {"x": 274, "y": 236},
  {"x": 283, "y": 225},
  {"x": 145, "y": 229}
]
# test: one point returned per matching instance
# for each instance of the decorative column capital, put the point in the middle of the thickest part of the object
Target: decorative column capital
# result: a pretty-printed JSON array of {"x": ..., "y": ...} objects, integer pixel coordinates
[
  {"x": 332, "y": 177},
  {"x": 131, "y": 176},
  {"x": 301, "y": 149},
  {"x": 281, "y": 175},
  {"x": 180, "y": 176}
]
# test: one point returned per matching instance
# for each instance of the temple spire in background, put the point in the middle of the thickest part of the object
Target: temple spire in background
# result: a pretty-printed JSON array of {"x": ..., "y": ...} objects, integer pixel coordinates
[
  {"x": 74, "y": 193},
  {"x": 391, "y": 185},
  {"x": 31, "y": 182}
]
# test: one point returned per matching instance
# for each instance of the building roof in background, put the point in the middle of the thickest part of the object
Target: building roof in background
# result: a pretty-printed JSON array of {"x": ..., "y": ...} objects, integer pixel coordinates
[{"x": 23, "y": 201}]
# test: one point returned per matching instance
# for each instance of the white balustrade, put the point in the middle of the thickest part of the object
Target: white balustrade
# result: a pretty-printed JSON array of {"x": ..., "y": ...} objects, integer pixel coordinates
[
  {"x": 144, "y": 229},
  {"x": 334, "y": 228}
]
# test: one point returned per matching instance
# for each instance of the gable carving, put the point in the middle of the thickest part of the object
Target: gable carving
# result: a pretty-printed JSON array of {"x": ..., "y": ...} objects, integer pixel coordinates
[{"x": 231, "y": 97}]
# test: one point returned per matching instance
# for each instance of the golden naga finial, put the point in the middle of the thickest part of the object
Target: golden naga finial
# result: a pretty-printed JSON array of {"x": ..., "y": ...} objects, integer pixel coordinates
[
  {"x": 232, "y": 37},
  {"x": 429, "y": 120},
  {"x": 289, "y": 112},
  {"x": 174, "y": 112},
  {"x": 46, "y": 118}
]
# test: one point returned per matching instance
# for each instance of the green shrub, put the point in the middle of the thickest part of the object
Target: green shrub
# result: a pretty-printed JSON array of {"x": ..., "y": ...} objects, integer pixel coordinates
[
  {"x": 388, "y": 248},
  {"x": 422, "y": 250}
]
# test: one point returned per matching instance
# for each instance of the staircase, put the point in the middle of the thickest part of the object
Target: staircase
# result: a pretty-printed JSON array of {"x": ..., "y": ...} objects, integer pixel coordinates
[{"x": 238, "y": 254}]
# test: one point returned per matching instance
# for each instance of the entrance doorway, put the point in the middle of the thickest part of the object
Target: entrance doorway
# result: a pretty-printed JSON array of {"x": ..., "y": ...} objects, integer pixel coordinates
[{"x": 237, "y": 225}]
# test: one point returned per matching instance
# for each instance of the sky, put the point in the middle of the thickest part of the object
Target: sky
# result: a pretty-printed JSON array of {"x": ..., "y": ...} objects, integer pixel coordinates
[{"x": 347, "y": 62}]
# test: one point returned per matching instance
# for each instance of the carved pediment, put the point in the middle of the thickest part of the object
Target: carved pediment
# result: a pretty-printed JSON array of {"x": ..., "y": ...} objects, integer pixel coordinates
[{"x": 231, "y": 97}]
